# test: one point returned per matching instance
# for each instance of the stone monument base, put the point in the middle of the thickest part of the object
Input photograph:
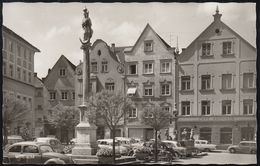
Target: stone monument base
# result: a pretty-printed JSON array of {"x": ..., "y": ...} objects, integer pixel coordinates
[
  {"x": 85, "y": 139},
  {"x": 84, "y": 149}
]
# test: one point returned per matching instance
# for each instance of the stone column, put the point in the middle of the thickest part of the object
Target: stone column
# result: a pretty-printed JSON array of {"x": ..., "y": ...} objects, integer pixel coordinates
[{"x": 85, "y": 132}]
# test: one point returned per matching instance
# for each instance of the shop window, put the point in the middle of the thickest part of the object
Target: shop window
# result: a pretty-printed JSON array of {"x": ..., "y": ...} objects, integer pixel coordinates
[
  {"x": 247, "y": 134},
  {"x": 205, "y": 134},
  {"x": 226, "y": 135}
]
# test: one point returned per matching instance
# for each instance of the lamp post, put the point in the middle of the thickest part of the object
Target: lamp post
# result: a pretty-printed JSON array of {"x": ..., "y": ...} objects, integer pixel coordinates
[{"x": 176, "y": 95}]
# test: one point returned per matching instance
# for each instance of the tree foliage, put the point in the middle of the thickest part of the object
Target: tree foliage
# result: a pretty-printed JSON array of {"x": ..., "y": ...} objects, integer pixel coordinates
[
  {"x": 13, "y": 110},
  {"x": 111, "y": 108},
  {"x": 157, "y": 118}
]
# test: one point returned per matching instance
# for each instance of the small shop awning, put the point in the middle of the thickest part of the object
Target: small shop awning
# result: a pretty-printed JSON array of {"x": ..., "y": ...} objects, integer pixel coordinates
[{"x": 131, "y": 91}]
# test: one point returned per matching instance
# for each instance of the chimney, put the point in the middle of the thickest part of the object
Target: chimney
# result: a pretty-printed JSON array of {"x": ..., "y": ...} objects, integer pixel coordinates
[
  {"x": 113, "y": 47},
  {"x": 35, "y": 74},
  {"x": 49, "y": 70}
]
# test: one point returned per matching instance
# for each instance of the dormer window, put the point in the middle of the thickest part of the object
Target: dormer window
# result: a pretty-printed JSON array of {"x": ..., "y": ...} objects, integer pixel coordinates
[
  {"x": 62, "y": 72},
  {"x": 148, "y": 46}
]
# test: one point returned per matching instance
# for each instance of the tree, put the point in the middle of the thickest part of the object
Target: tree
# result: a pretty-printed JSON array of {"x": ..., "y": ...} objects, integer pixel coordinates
[
  {"x": 157, "y": 118},
  {"x": 64, "y": 118},
  {"x": 111, "y": 108},
  {"x": 13, "y": 109}
]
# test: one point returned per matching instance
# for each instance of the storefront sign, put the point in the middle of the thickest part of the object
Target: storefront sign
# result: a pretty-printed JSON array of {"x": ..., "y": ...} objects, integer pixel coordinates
[{"x": 217, "y": 118}]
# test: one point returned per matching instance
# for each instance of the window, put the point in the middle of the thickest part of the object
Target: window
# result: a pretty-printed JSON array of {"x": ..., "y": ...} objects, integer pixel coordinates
[
  {"x": 11, "y": 46},
  {"x": 4, "y": 54},
  {"x": 19, "y": 62},
  {"x": 148, "y": 46},
  {"x": 39, "y": 93},
  {"x": 132, "y": 69},
  {"x": 18, "y": 97},
  {"x": 185, "y": 83},
  {"x": 15, "y": 149},
  {"x": 226, "y": 81},
  {"x": 165, "y": 67},
  {"x": 148, "y": 114},
  {"x": 166, "y": 108},
  {"x": 24, "y": 76},
  {"x": 64, "y": 95},
  {"x": 185, "y": 108},
  {"x": 248, "y": 107},
  {"x": 226, "y": 135},
  {"x": 248, "y": 80},
  {"x": 148, "y": 90},
  {"x": 205, "y": 108},
  {"x": 94, "y": 67},
  {"x": 165, "y": 90},
  {"x": 62, "y": 72},
  {"x": 227, "y": 48},
  {"x": 206, "y": 49},
  {"x": 24, "y": 53},
  {"x": 205, "y": 82},
  {"x": 52, "y": 95},
  {"x": 104, "y": 67},
  {"x": 18, "y": 50},
  {"x": 4, "y": 68},
  {"x": 148, "y": 68},
  {"x": 133, "y": 113},
  {"x": 205, "y": 134},
  {"x": 73, "y": 95},
  {"x": 11, "y": 70},
  {"x": 30, "y": 149},
  {"x": 39, "y": 107},
  {"x": 30, "y": 56},
  {"x": 29, "y": 66},
  {"x": 24, "y": 63},
  {"x": 226, "y": 107},
  {"x": 29, "y": 77},
  {"x": 18, "y": 73},
  {"x": 110, "y": 86},
  {"x": 11, "y": 56}
]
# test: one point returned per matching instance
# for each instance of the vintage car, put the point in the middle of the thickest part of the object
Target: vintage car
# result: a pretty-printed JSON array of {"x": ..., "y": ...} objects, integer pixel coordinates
[
  {"x": 53, "y": 142},
  {"x": 12, "y": 139},
  {"x": 120, "y": 150},
  {"x": 182, "y": 151},
  {"x": 243, "y": 147},
  {"x": 203, "y": 145},
  {"x": 30, "y": 152}
]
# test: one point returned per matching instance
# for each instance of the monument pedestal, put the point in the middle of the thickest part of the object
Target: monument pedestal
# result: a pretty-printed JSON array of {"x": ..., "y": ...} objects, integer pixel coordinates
[{"x": 86, "y": 139}]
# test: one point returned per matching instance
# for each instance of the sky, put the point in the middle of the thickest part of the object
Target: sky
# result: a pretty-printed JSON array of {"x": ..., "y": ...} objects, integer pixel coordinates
[{"x": 55, "y": 28}]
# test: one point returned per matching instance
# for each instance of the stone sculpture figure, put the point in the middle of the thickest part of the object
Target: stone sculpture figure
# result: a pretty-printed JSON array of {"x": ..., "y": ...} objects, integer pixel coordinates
[{"x": 86, "y": 25}]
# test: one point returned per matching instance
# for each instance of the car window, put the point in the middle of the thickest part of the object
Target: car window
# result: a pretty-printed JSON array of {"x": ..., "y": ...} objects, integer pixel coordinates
[
  {"x": 30, "y": 149},
  {"x": 15, "y": 148},
  {"x": 178, "y": 144},
  {"x": 252, "y": 144},
  {"x": 244, "y": 144},
  {"x": 197, "y": 142},
  {"x": 45, "y": 149},
  {"x": 203, "y": 142},
  {"x": 52, "y": 142}
]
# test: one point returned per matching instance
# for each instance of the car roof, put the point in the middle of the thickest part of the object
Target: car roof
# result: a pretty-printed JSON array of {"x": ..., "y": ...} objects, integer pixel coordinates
[
  {"x": 248, "y": 142},
  {"x": 45, "y": 138},
  {"x": 29, "y": 143},
  {"x": 107, "y": 140},
  {"x": 168, "y": 141}
]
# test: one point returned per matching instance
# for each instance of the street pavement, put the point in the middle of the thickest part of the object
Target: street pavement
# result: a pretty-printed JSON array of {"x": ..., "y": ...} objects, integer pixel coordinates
[{"x": 219, "y": 157}]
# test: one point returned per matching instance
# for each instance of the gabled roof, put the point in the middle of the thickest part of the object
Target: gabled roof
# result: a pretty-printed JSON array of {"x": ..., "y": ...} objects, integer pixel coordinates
[
  {"x": 61, "y": 57},
  {"x": 167, "y": 46},
  {"x": 4, "y": 28},
  {"x": 212, "y": 24}
]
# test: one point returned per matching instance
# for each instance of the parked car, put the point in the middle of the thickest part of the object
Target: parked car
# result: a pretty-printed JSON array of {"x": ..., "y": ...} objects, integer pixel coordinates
[
  {"x": 203, "y": 145},
  {"x": 121, "y": 150},
  {"x": 182, "y": 151},
  {"x": 53, "y": 142},
  {"x": 30, "y": 152},
  {"x": 243, "y": 147},
  {"x": 190, "y": 148}
]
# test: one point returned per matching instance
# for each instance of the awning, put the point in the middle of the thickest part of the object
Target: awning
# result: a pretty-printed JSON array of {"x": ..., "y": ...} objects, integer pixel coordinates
[{"x": 131, "y": 91}]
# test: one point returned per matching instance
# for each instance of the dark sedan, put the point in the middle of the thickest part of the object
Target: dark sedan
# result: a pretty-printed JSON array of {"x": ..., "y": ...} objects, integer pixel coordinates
[{"x": 34, "y": 153}]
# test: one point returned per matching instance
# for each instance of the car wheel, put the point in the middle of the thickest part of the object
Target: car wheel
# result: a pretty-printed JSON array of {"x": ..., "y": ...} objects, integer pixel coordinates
[
  {"x": 232, "y": 150},
  {"x": 253, "y": 152}
]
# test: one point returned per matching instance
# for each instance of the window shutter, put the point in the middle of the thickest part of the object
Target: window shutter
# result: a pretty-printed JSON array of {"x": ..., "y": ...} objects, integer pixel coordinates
[{"x": 233, "y": 47}]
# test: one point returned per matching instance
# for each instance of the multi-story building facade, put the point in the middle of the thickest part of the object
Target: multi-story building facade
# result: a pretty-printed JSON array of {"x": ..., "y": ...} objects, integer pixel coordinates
[
  {"x": 18, "y": 75},
  {"x": 60, "y": 91},
  {"x": 217, "y": 92},
  {"x": 106, "y": 73},
  {"x": 150, "y": 77}
]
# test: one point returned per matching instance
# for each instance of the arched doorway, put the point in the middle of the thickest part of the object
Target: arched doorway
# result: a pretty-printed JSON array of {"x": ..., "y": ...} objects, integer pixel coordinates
[
  {"x": 205, "y": 134},
  {"x": 247, "y": 133},
  {"x": 226, "y": 135}
]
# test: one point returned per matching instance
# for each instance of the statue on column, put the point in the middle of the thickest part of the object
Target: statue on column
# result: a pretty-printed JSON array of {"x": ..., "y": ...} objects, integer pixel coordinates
[{"x": 86, "y": 25}]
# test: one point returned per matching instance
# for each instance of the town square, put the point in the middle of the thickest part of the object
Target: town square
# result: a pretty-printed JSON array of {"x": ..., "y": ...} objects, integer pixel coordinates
[{"x": 129, "y": 83}]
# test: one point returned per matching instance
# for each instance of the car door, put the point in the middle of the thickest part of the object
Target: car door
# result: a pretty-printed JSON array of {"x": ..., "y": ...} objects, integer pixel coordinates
[
  {"x": 32, "y": 154},
  {"x": 244, "y": 147},
  {"x": 14, "y": 154},
  {"x": 54, "y": 146}
]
